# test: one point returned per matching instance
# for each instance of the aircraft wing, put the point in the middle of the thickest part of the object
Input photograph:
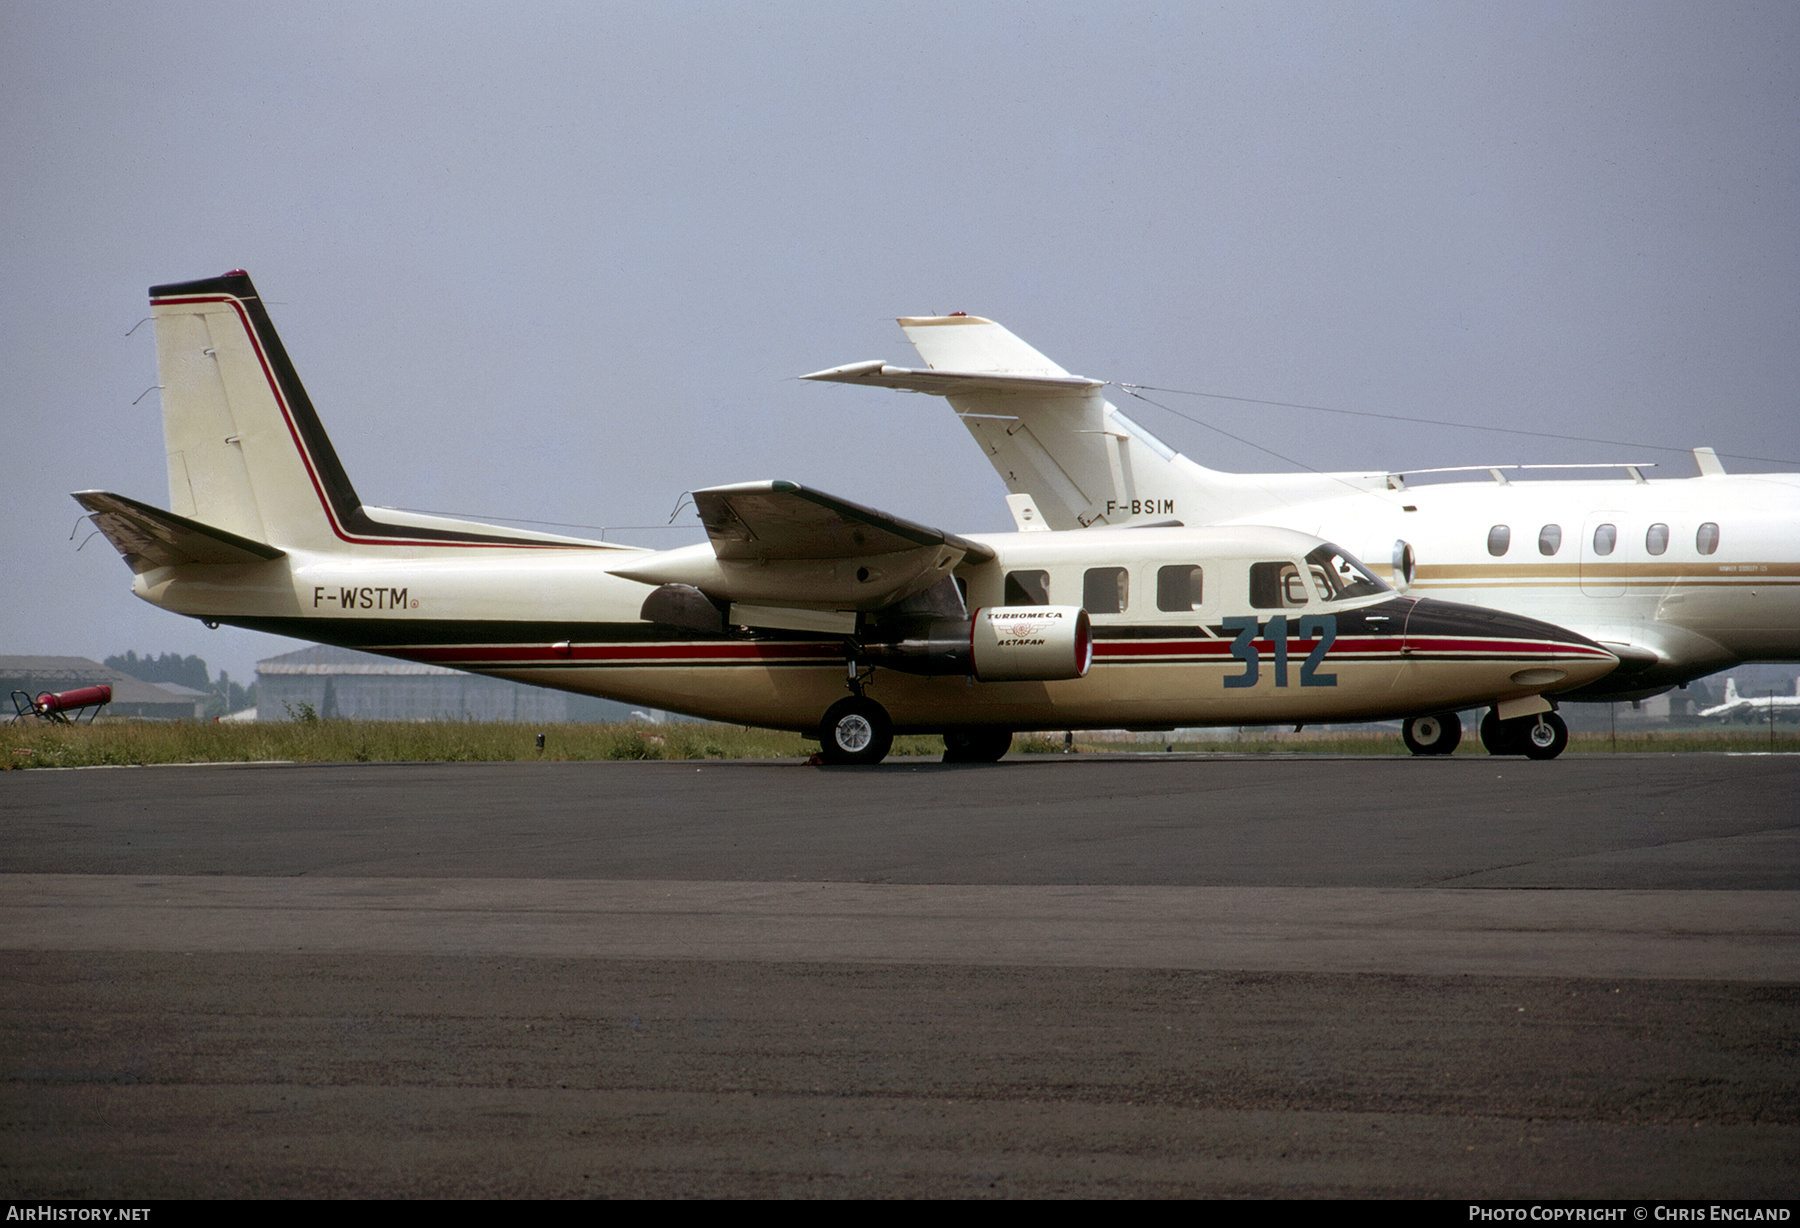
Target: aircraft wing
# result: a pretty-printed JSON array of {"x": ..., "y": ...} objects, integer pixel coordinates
[
  {"x": 148, "y": 537},
  {"x": 785, "y": 556},
  {"x": 784, "y": 520}
]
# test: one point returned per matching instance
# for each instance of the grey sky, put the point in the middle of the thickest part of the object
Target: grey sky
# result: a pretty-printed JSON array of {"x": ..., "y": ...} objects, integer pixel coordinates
[{"x": 561, "y": 262}]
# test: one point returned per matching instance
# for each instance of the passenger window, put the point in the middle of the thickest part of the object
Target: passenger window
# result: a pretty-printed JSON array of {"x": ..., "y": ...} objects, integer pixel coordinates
[
  {"x": 1606, "y": 536},
  {"x": 1707, "y": 539},
  {"x": 1027, "y": 588},
  {"x": 1277, "y": 586},
  {"x": 1105, "y": 590},
  {"x": 1178, "y": 588},
  {"x": 1499, "y": 538},
  {"x": 1549, "y": 539},
  {"x": 1657, "y": 539}
]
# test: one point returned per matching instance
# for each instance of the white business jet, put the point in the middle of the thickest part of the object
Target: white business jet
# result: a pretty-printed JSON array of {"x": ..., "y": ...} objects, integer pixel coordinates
[
  {"x": 802, "y": 611},
  {"x": 1677, "y": 577}
]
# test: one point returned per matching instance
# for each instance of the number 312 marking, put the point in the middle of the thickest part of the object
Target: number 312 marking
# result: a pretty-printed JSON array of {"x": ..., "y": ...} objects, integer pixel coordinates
[{"x": 1321, "y": 626}]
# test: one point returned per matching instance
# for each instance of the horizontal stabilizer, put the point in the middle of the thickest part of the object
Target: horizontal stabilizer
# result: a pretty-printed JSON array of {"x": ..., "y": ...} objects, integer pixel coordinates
[
  {"x": 149, "y": 537},
  {"x": 952, "y": 383}
]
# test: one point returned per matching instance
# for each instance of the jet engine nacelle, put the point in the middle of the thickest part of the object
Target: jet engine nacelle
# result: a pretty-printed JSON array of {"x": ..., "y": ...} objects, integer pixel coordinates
[{"x": 1030, "y": 643}]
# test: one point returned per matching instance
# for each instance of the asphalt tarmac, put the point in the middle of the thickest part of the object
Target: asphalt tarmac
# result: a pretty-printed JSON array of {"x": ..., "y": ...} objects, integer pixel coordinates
[{"x": 1057, "y": 976}]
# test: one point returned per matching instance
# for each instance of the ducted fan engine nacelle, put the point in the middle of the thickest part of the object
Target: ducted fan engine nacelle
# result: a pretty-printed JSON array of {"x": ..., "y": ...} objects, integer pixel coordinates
[{"x": 1028, "y": 643}]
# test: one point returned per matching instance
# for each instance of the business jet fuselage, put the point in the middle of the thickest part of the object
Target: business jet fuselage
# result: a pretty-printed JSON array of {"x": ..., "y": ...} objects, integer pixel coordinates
[
  {"x": 1679, "y": 577},
  {"x": 802, "y": 611}
]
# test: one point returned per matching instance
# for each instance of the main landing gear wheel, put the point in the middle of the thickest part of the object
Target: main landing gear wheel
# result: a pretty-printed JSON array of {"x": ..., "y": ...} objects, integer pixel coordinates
[
  {"x": 1546, "y": 737},
  {"x": 1543, "y": 736},
  {"x": 855, "y": 732},
  {"x": 1500, "y": 737},
  {"x": 1437, "y": 734},
  {"x": 976, "y": 745}
]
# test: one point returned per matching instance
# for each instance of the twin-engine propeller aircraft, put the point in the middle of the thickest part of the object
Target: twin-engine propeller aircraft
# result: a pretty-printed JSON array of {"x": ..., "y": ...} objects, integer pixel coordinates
[
  {"x": 1679, "y": 578},
  {"x": 803, "y": 611}
]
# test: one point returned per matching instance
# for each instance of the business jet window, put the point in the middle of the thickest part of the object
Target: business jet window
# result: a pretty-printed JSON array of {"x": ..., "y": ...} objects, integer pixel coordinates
[
  {"x": 1549, "y": 539},
  {"x": 1707, "y": 539},
  {"x": 1339, "y": 577},
  {"x": 1178, "y": 588},
  {"x": 1606, "y": 536},
  {"x": 1277, "y": 586},
  {"x": 1027, "y": 588},
  {"x": 1499, "y": 538},
  {"x": 1105, "y": 590},
  {"x": 1657, "y": 539}
]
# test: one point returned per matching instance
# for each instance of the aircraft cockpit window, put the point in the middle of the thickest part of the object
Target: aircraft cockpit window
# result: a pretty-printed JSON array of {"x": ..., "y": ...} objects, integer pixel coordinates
[
  {"x": 1549, "y": 539},
  {"x": 1105, "y": 590},
  {"x": 1178, "y": 588},
  {"x": 1499, "y": 539},
  {"x": 1277, "y": 586},
  {"x": 1027, "y": 588},
  {"x": 1606, "y": 536},
  {"x": 1339, "y": 577},
  {"x": 1707, "y": 539},
  {"x": 1657, "y": 539}
]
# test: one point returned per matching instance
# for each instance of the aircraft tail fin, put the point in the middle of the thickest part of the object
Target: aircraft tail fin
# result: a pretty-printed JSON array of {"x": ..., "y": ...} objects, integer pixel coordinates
[
  {"x": 246, "y": 451},
  {"x": 1052, "y": 436},
  {"x": 247, "y": 454}
]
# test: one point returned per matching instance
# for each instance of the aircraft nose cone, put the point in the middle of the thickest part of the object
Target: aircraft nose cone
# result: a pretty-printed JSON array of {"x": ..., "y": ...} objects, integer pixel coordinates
[{"x": 1547, "y": 657}]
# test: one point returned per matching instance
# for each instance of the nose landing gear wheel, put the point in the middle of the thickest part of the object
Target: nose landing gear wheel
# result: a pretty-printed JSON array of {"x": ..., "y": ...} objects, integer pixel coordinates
[
  {"x": 1438, "y": 734},
  {"x": 976, "y": 745},
  {"x": 855, "y": 732}
]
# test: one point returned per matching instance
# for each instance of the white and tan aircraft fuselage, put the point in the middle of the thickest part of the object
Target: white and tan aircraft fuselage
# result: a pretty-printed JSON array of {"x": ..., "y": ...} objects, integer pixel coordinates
[{"x": 802, "y": 611}]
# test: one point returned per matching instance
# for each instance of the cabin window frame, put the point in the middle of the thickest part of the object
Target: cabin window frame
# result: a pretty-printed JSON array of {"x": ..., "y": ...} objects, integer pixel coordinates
[
  {"x": 1017, "y": 582},
  {"x": 1262, "y": 585},
  {"x": 1095, "y": 582}
]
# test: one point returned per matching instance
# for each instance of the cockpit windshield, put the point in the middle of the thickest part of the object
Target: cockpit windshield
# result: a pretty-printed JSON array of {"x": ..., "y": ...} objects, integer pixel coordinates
[{"x": 1339, "y": 575}]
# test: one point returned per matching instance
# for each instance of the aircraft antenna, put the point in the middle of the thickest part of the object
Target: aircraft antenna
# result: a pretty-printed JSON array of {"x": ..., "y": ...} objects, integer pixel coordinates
[{"x": 1466, "y": 426}]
